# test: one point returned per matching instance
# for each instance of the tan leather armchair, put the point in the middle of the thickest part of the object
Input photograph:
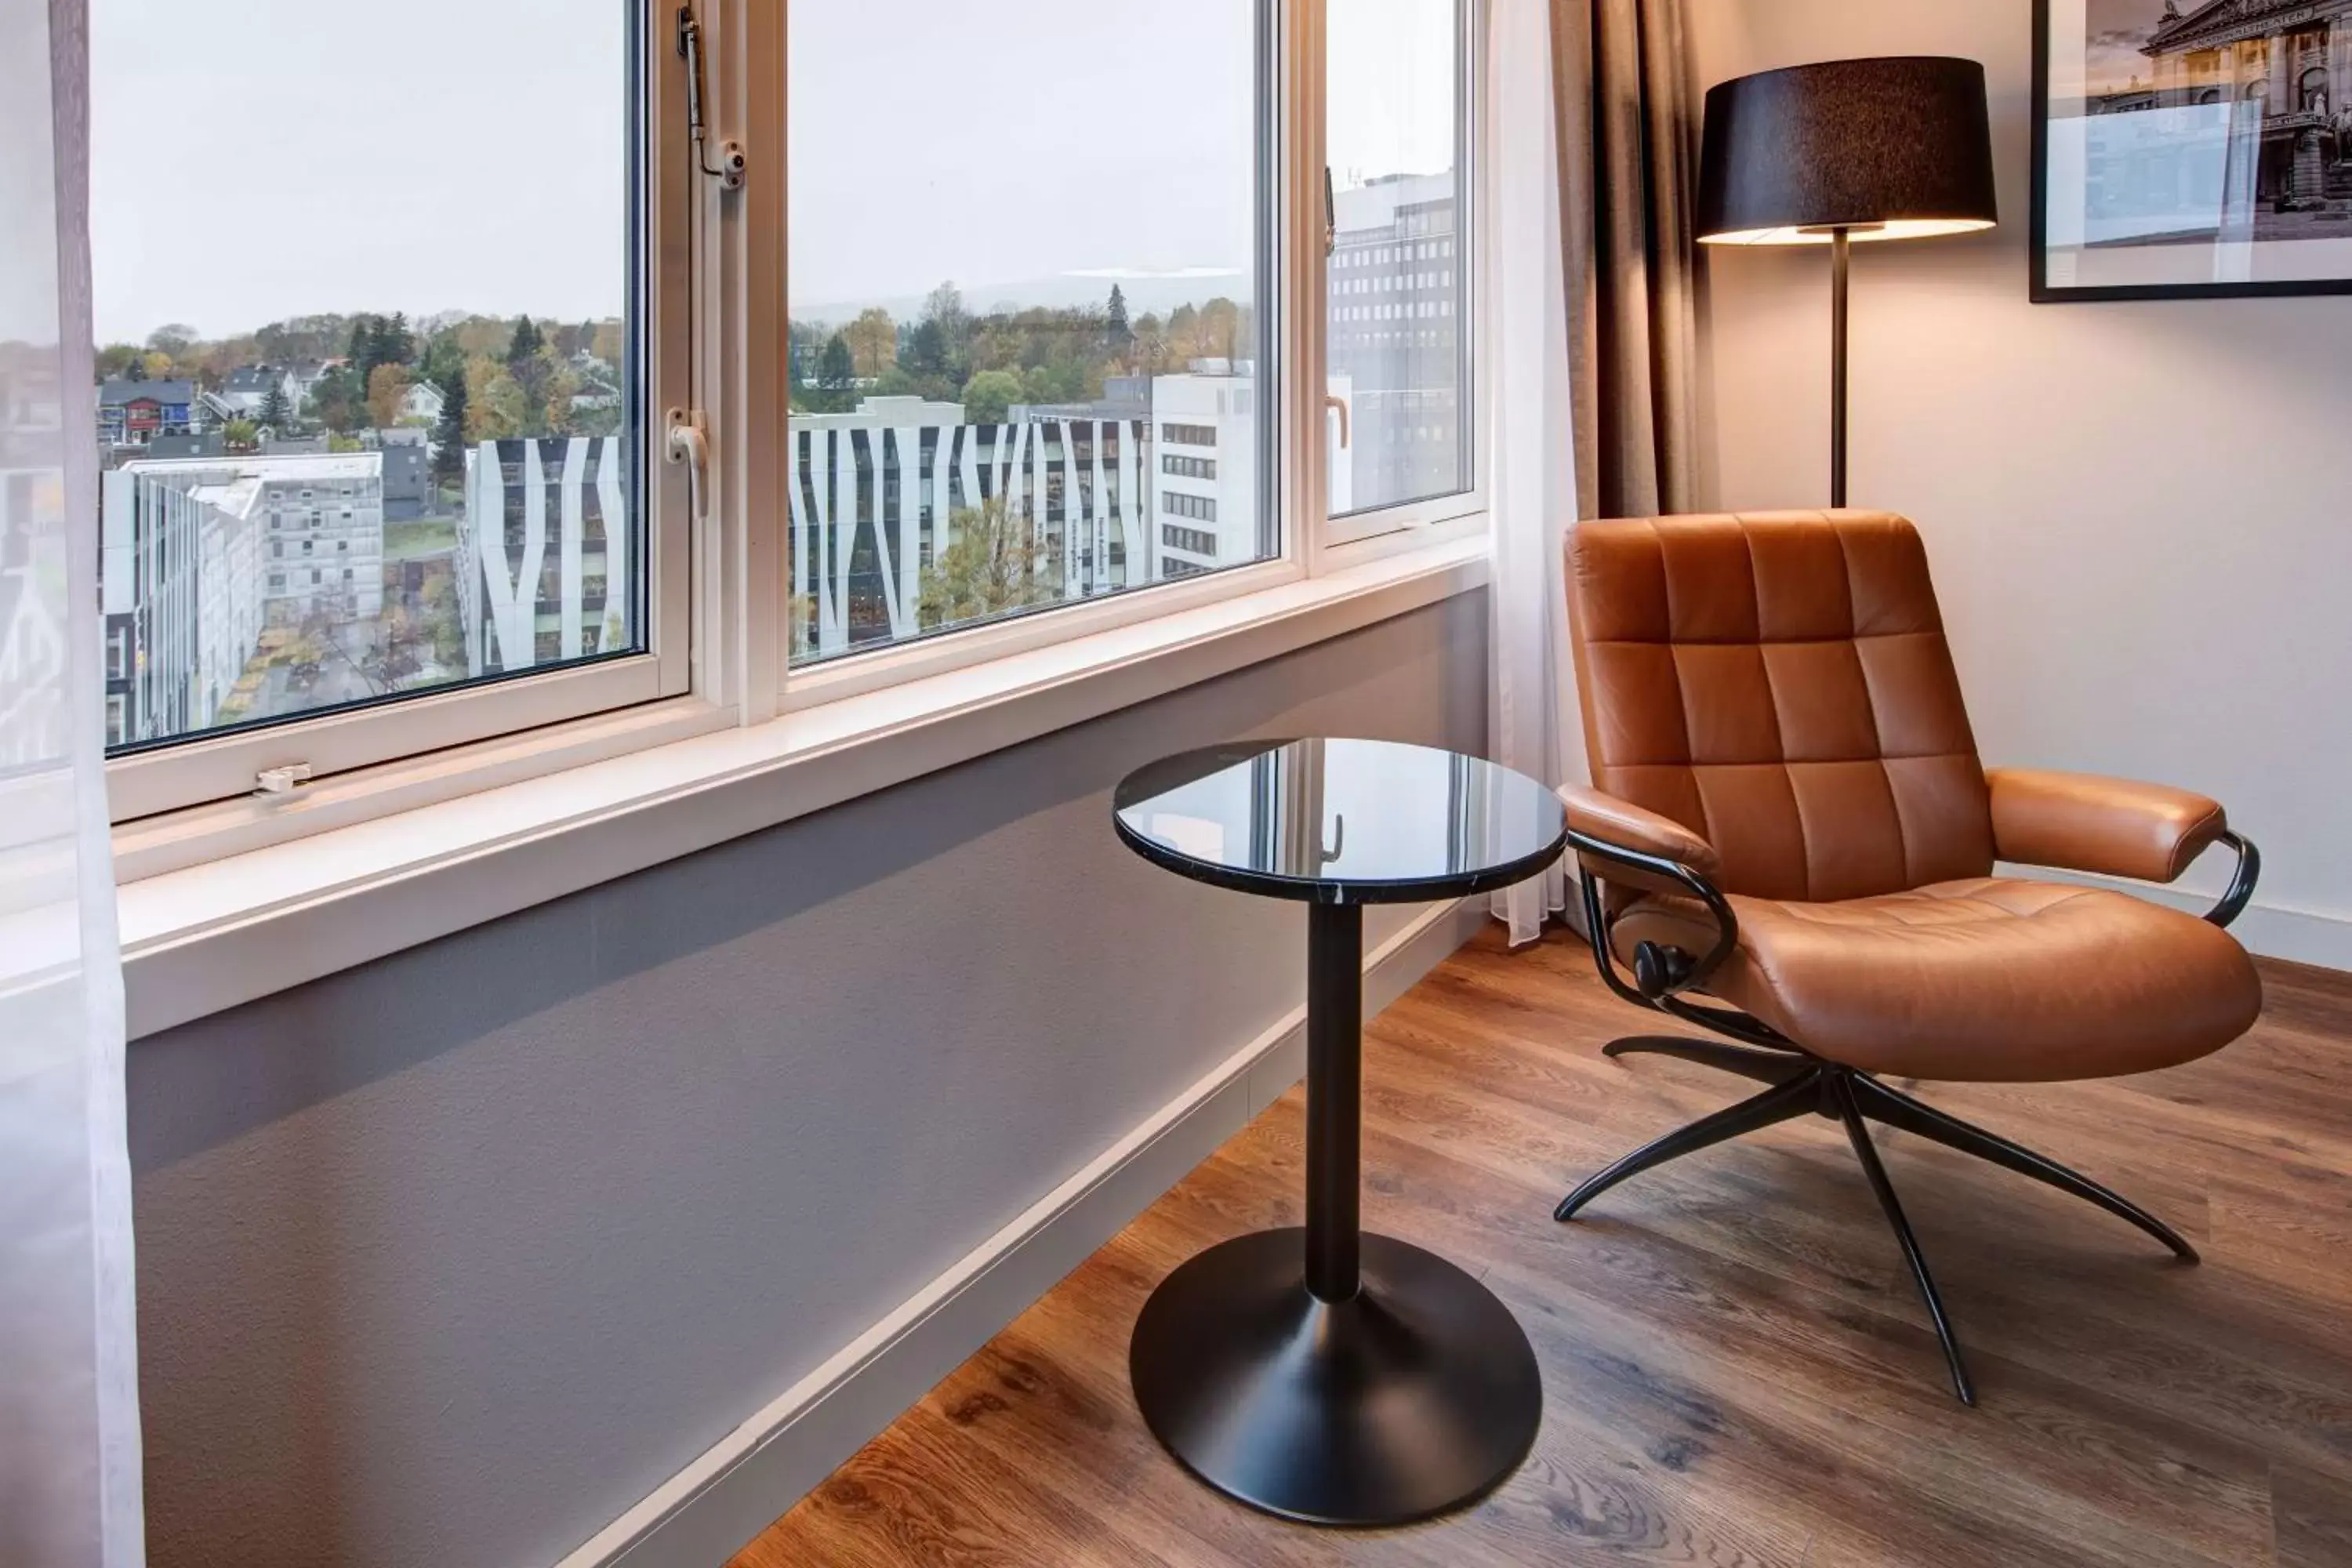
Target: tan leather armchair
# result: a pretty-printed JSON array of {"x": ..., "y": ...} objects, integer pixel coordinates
[{"x": 1788, "y": 818}]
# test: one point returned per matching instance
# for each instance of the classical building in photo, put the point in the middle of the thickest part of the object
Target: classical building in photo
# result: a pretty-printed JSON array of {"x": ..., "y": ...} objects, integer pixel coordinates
[{"x": 2274, "y": 79}]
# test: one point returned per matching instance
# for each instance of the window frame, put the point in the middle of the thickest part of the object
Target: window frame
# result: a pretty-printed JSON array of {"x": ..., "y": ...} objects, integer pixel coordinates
[
  {"x": 204, "y": 770},
  {"x": 1293, "y": 267},
  {"x": 1426, "y": 512},
  {"x": 714, "y": 325}
]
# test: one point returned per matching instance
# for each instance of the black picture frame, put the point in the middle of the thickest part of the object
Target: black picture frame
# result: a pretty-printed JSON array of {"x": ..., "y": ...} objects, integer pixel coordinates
[{"x": 2044, "y": 292}]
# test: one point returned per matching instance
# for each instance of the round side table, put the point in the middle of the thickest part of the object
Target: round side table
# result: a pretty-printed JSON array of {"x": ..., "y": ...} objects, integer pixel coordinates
[{"x": 1323, "y": 1373}]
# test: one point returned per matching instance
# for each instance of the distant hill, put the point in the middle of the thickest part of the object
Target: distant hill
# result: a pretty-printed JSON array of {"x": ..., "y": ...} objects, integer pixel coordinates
[{"x": 1155, "y": 293}]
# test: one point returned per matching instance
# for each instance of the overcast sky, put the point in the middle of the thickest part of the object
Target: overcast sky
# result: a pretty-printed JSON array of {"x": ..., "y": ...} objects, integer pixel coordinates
[{"x": 279, "y": 157}]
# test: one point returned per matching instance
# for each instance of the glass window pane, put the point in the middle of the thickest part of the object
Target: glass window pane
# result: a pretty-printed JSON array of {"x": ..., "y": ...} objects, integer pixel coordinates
[
  {"x": 1028, "y": 356},
  {"x": 1398, "y": 330},
  {"x": 368, "y": 406}
]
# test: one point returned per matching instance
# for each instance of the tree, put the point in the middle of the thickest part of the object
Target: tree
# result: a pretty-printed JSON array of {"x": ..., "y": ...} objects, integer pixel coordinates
[
  {"x": 240, "y": 435},
  {"x": 274, "y": 415},
  {"x": 991, "y": 566},
  {"x": 339, "y": 401},
  {"x": 387, "y": 394},
  {"x": 525, "y": 345},
  {"x": 495, "y": 409},
  {"x": 172, "y": 339},
  {"x": 838, "y": 368},
  {"x": 1117, "y": 333},
  {"x": 118, "y": 360},
  {"x": 395, "y": 344},
  {"x": 873, "y": 342},
  {"x": 926, "y": 352},
  {"x": 449, "y": 437},
  {"x": 359, "y": 353},
  {"x": 531, "y": 371},
  {"x": 989, "y": 396}
]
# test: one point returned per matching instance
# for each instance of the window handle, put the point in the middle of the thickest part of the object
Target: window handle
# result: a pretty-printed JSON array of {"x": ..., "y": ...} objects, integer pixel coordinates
[
  {"x": 690, "y": 445},
  {"x": 1331, "y": 218},
  {"x": 1333, "y": 401}
]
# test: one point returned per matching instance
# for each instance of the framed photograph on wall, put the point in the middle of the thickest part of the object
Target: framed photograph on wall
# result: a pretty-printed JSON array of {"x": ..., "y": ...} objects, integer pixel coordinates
[{"x": 2188, "y": 149}]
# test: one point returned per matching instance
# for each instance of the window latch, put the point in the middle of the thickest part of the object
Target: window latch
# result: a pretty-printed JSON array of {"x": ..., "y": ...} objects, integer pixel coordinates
[
  {"x": 690, "y": 445},
  {"x": 1331, "y": 218},
  {"x": 732, "y": 159},
  {"x": 281, "y": 781}
]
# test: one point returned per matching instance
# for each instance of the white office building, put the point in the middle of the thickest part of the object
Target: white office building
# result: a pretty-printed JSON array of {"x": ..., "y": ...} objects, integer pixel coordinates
[
  {"x": 543, "y": 552},
  {"x": 200, "y": 555}
]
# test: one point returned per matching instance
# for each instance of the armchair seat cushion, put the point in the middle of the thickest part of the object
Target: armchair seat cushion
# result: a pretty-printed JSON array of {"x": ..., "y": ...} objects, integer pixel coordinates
[{"x": 1983, "y": 980}]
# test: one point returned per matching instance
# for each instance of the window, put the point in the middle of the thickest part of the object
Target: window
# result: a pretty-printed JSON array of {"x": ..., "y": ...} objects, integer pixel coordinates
[
  {"x": 1029, "y": 370},
  {"x": 1398, "y": 134},
  {"x": 440, "y": 587},
  {"x": 977, "y": 371}
]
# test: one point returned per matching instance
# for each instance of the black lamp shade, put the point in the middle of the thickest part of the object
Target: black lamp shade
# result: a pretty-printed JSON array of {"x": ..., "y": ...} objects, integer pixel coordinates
[{"x": 1891, "y": 148}]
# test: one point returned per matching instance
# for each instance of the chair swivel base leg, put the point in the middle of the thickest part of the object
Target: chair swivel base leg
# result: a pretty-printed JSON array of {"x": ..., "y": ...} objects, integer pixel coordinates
[
  {"x": 1748, "y": 1061},
  {"x": 1853, "y": 1098}
]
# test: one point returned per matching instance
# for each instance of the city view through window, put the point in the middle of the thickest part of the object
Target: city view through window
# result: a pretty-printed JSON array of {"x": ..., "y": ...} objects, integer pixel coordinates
[
  {"x": 363, "y": 389},
  {"x": 368, "y": 407},
  {"x": 1029, "y": 358}
]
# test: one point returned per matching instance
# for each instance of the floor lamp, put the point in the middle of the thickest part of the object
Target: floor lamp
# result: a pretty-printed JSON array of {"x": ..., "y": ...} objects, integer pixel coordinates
[{"x": 1894, "y": 148}]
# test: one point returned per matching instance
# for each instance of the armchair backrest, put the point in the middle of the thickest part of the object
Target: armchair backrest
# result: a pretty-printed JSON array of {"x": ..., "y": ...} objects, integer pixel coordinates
[{"x": 1780, "y": 684}]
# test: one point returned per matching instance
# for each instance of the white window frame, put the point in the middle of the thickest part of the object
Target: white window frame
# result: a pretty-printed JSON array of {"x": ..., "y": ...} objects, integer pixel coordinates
[
  {"x": 716, "y": 324},
  {"x": 1457, "y": 507},
  {"x": 1313, "y": 544},
  {"x": 200, "y": 770}
]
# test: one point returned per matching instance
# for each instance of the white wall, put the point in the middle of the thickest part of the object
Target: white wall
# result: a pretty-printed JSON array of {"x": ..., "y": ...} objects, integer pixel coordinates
[
  {"x": 452, "y": 1258},
  {"x": 2137, "y": 514}
]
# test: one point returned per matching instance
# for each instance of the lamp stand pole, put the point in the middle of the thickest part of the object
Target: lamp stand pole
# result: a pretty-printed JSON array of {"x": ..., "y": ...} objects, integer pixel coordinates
[{"x": 1840, "y": 279}]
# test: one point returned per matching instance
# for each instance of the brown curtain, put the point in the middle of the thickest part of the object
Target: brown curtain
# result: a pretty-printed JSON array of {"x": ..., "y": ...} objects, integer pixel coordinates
[{"x": 1628, "y": 177}]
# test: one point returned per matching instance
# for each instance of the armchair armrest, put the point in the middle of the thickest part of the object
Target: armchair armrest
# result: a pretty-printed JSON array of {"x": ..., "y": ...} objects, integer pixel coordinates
[
  {"x": 1622, "y": 824},
  {"x": 2082, "y": 822}
]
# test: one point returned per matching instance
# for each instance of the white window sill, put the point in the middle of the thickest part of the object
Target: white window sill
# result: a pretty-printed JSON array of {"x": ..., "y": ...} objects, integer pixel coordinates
[{"x": 210, "y": 937}]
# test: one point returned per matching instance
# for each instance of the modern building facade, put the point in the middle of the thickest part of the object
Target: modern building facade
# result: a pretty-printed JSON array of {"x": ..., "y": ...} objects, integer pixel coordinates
[
  {"x": 543, "y": 559},
  {"x": 1395, "y": 337}
]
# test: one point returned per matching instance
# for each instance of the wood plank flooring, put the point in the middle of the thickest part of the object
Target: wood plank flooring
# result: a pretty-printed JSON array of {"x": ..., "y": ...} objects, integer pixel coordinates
[{"x": 1737, "y": 1370}]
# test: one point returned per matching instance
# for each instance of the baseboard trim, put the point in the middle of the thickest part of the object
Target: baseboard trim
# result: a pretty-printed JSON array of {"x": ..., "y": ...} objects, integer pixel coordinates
[
  {"x": 707, "y": 1511},
  {"x": 2323, "y": 937}
]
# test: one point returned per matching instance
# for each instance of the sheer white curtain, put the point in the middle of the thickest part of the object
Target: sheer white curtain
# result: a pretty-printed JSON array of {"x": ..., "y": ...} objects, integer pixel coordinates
[
  {"x": 69, "y": 1492},
  {"x": 1532, "y": 713}
]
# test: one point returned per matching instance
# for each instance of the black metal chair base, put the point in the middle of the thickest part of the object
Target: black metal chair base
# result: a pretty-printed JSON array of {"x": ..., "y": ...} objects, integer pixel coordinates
[
  {"x": 1417, "y": 1394},
  {"x": 1802, "y": 1085}
]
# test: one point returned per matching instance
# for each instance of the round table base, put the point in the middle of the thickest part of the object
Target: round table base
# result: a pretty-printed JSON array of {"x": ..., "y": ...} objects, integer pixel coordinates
[{"x": 1415, "y": 1397}]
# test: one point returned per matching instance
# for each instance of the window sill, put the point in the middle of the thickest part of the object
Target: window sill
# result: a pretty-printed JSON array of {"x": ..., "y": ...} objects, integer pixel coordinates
[{"x": 207, "y": 938}]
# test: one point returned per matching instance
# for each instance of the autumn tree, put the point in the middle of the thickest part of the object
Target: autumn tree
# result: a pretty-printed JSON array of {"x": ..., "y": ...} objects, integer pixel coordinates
[
  {"x": 992, "y": 565},
  {"x": 116, "y": 361},
  {"x": 387, "y": 394},
  {"x": 873, "y": 342}
]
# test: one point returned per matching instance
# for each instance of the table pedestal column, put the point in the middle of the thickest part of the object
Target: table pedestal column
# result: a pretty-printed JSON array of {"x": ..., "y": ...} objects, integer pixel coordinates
[{"x": 1324, "y": 1375}]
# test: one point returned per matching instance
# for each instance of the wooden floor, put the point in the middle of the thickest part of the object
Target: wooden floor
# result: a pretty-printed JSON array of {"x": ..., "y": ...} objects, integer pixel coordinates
[{"x": 1736, "y": 1368}]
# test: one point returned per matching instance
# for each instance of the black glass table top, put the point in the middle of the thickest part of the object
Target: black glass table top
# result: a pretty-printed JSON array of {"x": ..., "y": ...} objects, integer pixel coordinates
[{"x": 1341, "y": 821}]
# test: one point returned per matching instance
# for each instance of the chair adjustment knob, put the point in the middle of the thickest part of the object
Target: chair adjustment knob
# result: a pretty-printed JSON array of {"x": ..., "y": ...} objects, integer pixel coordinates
[{"x": 1658, "y": 971}]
